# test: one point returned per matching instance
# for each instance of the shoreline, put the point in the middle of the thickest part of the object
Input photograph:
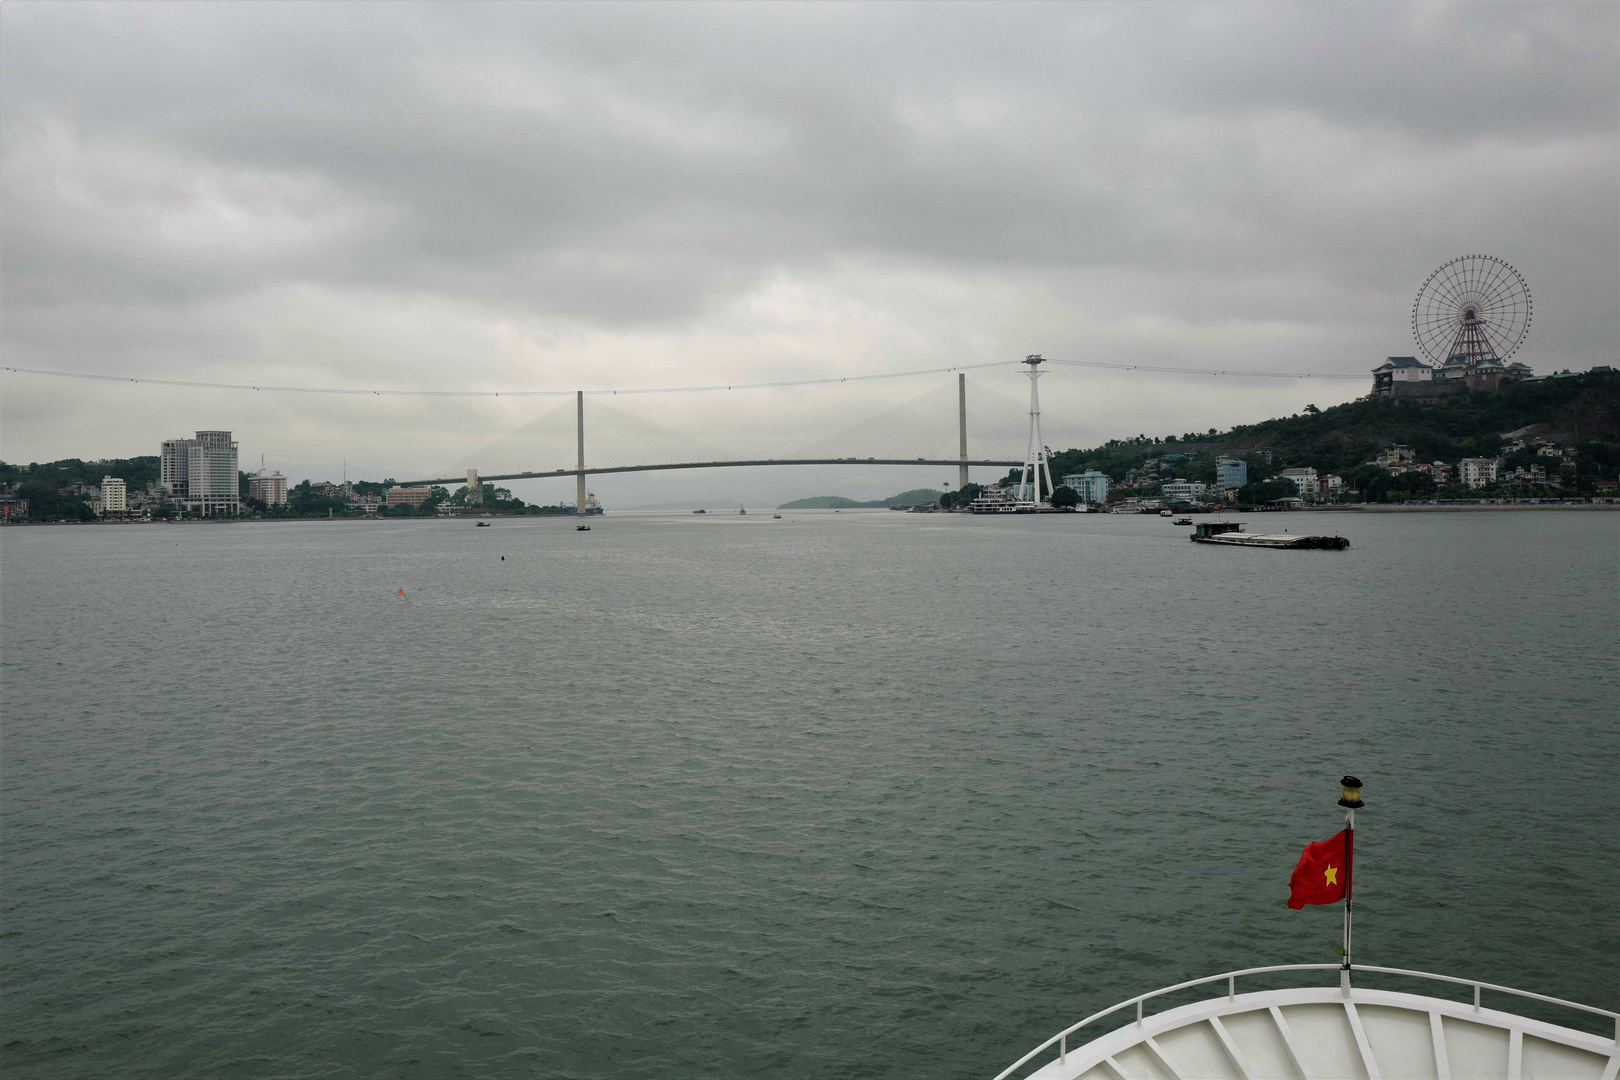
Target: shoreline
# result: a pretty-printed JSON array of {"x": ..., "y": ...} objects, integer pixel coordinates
[
  {"x": 1419, "y": 508},
  {"x": 1345, "y": 508}
]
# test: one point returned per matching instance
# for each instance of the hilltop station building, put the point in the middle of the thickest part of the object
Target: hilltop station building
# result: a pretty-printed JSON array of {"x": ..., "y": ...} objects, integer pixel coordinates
[{"x": 1408, "y": 378}]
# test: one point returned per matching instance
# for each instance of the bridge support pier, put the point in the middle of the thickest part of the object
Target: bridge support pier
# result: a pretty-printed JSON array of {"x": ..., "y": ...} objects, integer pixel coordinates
[
  {"x": 579, "y": 477},
  {"x": 961, "y": 427}
]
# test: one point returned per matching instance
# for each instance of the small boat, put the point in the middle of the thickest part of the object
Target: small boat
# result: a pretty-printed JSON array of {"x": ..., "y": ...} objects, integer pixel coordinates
[
  {"x": 482, "y": 525},
  {"x": 582, "y": 528},
  {"x": 1182, "y": 521},
  {"x": 741, "y": 512},
  {"x": 1231, "y": 533},
  {"x": 778, "y": 517},
  {"x": 700, "y": 511},
  {"x": 1167, "y": 513}
]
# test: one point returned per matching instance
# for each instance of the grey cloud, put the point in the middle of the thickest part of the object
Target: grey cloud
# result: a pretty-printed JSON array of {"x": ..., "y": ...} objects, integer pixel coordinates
[{"x": 170, "y": 168}]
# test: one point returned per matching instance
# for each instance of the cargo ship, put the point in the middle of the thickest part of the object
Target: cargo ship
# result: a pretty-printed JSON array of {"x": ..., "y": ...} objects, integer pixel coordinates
[{"x": 591, "y": 505}]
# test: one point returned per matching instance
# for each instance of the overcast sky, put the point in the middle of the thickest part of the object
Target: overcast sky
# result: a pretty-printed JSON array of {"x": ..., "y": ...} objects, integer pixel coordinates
[{"x": 546, "y": 196}]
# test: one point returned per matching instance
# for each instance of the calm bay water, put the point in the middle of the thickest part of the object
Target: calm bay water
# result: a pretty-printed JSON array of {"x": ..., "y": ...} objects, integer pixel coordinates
[{"x": 854, "y": 795}]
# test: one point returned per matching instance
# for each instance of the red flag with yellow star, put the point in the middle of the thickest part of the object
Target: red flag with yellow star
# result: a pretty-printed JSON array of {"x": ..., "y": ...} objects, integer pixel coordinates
[{"x": 1323, "y": 873}]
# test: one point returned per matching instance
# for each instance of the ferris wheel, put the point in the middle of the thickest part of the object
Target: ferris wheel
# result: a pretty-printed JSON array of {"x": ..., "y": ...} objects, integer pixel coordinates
[{"x": 1472, "y": 310}]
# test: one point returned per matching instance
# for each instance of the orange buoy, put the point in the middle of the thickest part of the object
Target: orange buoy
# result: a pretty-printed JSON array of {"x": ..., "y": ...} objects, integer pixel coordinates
[{"x": 402, "y": 592}]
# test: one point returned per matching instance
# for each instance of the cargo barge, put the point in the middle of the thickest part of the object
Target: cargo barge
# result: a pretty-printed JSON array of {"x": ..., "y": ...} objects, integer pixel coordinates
[{"x": 1231, "y": 533}]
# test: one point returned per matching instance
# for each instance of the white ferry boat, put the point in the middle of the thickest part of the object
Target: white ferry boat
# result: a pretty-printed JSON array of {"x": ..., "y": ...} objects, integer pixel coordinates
[{"x": 996, "y": 499}]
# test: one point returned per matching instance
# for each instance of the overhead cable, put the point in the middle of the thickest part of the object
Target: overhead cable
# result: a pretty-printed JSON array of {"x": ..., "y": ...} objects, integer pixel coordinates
[
  {"x": 1197, "y": 371},
  {"x": 825, "y": 381},
  {"x": 832, "y": 380}
]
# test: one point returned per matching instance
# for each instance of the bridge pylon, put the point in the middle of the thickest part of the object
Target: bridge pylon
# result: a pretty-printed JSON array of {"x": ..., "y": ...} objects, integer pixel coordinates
[
  {"x": 961, "y": 428},
  {"x": 579, "y": 477}
]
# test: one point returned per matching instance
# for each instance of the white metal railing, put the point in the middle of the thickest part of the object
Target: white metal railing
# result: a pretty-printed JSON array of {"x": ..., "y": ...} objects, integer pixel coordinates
[{"x": 1061, "y": 1039}]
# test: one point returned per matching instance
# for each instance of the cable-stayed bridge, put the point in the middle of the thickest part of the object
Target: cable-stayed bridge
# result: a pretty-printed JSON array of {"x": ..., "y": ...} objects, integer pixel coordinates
[{"x": 962, "y": 423}]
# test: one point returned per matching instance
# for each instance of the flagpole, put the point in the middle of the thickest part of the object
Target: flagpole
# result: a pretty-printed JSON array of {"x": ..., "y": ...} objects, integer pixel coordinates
[{"x": 1351, "y": 801}]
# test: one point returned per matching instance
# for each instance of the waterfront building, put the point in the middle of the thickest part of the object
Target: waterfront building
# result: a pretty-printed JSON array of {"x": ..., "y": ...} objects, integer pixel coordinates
[
  {"x": 1477, "y": 472},
  {"x": 1304, "y": 480},
  {"x": 1189, "y": 490},
  {"x": 1327, "y": 486},
  {"x": 408, "y": 496},
  {"x": 1231, "y": 473},
  {"x": 1092, "y": 486},
  {"x": 200, "y": 474},
  {"x": 269, "y": 487},
  {"x": 114, "y": 495}
]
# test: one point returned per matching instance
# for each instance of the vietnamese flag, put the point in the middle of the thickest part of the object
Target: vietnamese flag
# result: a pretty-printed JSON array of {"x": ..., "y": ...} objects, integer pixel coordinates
[{"x": 1323, "y": 873}]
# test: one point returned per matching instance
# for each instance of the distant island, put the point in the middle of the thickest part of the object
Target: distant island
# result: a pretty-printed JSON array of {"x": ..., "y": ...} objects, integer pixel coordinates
[{"x": 914, "y": 497}]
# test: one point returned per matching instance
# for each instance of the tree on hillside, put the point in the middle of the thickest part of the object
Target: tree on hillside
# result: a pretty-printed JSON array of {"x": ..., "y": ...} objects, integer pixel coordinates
[
  {"x": 1065, "y": 497},
  {"x": 1259, "y": 492}
]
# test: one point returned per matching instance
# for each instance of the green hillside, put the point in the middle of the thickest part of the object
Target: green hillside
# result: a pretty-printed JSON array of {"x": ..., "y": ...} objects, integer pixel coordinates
[
  {"x": 838, "y": 502},
  {"x": 136, "y": 472},
  {"x": 1576, "y": 410},
  {"x": 39, "y": 483}
]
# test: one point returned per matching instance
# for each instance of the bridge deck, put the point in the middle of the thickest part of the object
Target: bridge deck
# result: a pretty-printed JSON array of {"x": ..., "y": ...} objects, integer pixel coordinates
[{"x": 719, "y": 465}]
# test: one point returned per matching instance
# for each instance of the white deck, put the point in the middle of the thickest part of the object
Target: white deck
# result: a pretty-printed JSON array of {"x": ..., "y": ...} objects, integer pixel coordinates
[{"x": 1325, "y": 1033}]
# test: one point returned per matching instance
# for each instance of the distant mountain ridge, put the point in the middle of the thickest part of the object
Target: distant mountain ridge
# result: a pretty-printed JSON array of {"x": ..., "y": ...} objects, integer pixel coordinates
[{"x": 838, "y": 502}]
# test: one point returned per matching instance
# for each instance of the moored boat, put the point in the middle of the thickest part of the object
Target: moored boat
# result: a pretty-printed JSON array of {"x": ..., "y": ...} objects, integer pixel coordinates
[
  {"x": 996, "y": 499},
  {"x": 1231, "y": 533}
]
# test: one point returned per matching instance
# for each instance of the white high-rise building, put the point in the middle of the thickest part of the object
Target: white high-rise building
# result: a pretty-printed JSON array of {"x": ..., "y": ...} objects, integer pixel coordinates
[
  {"x": 174, "y": 467},
  {"x": 201, "y": 473},
  {"x": 114, "y": 499}
]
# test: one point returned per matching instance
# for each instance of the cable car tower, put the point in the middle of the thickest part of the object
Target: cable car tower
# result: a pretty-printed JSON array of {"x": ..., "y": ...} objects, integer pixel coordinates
[{"x": 1029, "y": 493}]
